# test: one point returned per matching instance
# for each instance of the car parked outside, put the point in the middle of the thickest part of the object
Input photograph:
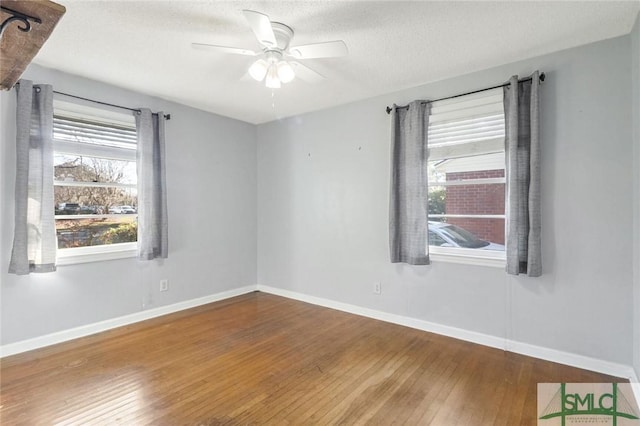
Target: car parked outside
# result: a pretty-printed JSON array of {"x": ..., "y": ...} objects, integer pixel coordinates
[
  {"x": 442, "y": 234},
  {"x": 88, "y": 210},
  {"x": 122, "y": 210},
  {"x": 68, "y": 208}
]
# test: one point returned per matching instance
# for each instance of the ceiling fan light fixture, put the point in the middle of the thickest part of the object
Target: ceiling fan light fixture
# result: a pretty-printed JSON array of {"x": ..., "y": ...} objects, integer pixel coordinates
[
  {"x": 271, "y": 68},
  {"x": 285, "y": 72},
  {"x": 272, "y": 81},
  {"x": 258, "y": 69}
]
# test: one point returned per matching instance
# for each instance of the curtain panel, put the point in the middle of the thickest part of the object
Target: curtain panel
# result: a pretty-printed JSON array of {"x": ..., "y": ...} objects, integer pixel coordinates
[
  {"x": 522, "y": 146},
  {"x": 34, "y": 241},
  {"x": 152, "y": 188},
  {"x": 408, "y": 206}
]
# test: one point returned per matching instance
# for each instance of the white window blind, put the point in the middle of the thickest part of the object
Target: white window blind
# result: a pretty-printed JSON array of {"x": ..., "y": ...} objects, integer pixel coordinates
[
  {"x": 468, "y": 125},
  {"x": 93, "y": 132},
  {"x": 96, "y": 133}
]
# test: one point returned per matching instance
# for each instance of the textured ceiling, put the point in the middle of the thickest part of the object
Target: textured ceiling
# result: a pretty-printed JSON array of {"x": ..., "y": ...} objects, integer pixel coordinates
[{"x": 146, "y": 46}]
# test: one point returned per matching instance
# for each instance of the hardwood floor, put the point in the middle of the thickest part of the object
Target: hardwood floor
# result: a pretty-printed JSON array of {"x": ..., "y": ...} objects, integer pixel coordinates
[{"x": 263, "y": 359}]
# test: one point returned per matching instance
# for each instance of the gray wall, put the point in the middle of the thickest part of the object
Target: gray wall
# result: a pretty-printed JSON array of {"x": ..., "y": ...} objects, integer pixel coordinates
[
  {"x": 635, "y": 74},
  {"x": 321, "y": 192},
  {"x": 323, "y": 183},
  {"x": 211, "y": 177}
]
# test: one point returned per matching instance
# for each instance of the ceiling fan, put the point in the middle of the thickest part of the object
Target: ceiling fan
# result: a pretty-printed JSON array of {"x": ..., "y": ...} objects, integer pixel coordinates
[{"x": 277, "y": 60}]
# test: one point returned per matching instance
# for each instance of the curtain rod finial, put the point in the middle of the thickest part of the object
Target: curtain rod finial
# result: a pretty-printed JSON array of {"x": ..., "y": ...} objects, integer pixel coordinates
[{"x": 389, "y": 109}]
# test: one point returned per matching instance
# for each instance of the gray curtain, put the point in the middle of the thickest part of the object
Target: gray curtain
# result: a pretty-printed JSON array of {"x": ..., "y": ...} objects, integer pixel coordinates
[
  {"x": 408, "y": 209},
  {"x": 152, "y": 188},
  {"x": 34, "y": 240},
  {"x": 523, "y": 176}
]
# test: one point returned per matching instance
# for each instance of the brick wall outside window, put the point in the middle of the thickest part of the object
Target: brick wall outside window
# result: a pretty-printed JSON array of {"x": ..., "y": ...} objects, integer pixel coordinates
[{"x": 477, "y": 199}]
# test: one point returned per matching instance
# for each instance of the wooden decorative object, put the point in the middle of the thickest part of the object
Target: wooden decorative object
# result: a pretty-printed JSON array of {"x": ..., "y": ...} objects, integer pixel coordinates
[{"x": 19, "y": 43}]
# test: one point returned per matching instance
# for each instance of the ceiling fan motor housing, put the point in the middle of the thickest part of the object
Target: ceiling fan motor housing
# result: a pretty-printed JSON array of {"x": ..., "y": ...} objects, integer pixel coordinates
[{"x": 283, "y": 34}]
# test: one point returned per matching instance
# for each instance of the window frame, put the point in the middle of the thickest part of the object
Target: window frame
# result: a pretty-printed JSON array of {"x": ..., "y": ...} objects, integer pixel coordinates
[
  {"x": 104, "y": 252},
  {"x": 450, "y": 109}
]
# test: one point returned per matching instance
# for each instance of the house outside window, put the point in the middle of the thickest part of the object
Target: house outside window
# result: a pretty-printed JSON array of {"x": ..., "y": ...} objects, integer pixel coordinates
[
  {"x": 95, "y": 183},
  {"x": 485, "y": 199},
  {"x": 467, "y": 178}
]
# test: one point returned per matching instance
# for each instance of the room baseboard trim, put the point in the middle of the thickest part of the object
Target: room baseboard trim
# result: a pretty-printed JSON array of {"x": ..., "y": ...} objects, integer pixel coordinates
[
  {"x": 98, "y": 327},
  {"x": 459, "y": 333},
  {"x": 566, "y": 358},
  {"x": 573, "y": 360},
  {"x": 553, "y": 355}
]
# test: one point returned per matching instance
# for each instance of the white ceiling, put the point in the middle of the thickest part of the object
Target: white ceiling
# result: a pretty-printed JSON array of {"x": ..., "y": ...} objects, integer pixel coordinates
[{"x": 146, "y": 46}]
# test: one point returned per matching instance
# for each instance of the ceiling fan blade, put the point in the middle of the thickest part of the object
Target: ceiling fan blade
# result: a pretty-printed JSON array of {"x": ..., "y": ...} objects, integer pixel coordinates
[
  {"x": 261, "y": 26},
  {"x": 305, "y": 73},
  {"x": 223, "y": 49},
  {"x": 329, "y": 49}
]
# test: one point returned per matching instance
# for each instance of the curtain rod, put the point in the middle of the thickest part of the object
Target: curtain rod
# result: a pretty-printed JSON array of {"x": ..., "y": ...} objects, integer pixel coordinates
[
  {"x": 167, "y": 116},
  {"x": 542, "y": 77}
]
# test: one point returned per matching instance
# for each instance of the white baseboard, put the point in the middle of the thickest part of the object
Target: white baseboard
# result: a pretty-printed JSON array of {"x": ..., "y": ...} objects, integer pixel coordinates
[
  {"x": 458, "y": 333},
  {"x": 573, "y": 360},
  {"x": 86, "y": 330},
  {"x": 566, "y": 358}
]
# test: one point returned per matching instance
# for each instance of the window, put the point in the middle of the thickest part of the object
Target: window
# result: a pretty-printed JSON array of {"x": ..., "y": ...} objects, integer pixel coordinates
[
  {"x": 95, "y": 183},
  {"x": 467, "y": 177}
]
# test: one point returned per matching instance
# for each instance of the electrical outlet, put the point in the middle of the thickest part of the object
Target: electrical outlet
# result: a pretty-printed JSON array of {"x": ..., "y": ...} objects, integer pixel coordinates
[
  {"x": 377, "y": 288},
  {"x": 164, "y": 285}
]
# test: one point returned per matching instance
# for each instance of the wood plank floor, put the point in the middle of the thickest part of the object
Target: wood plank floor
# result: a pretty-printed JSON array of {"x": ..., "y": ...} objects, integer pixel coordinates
[{"x": 263, "y": 359}]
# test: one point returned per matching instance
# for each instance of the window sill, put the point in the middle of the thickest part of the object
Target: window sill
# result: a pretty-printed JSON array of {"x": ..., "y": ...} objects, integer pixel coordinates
[
  {"x": 72, "y": 256},
  {"x": 494, "y": 259}
]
